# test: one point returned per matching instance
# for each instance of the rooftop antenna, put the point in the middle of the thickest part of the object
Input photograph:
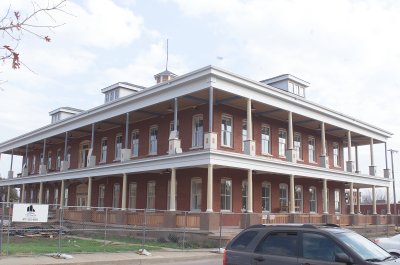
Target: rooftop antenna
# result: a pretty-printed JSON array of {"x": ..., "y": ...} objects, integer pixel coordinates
[{"x": 166, "y": 64}]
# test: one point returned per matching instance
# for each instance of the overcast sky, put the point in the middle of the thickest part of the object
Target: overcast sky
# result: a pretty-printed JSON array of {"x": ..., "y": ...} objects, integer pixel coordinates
[{"x": 348, "y": 50}]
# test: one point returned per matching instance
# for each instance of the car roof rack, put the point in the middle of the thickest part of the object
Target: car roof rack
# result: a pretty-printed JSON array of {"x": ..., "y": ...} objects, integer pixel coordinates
[{"x": 332, "y": 225}]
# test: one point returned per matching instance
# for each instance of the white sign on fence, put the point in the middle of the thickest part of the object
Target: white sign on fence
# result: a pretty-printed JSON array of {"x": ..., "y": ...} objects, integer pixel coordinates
[{"x": 26, "y": 212}]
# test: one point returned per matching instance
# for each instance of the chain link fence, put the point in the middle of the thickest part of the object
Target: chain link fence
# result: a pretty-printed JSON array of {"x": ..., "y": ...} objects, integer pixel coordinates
[{"x": 82, "y": 229}]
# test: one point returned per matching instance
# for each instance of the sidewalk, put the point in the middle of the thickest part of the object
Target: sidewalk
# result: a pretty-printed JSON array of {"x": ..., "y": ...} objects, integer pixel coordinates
[{"x": 122, "y": 258}]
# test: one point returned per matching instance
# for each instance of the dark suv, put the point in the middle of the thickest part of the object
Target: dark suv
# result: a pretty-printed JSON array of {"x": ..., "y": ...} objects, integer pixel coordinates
[{"x": 303, "y": 245}]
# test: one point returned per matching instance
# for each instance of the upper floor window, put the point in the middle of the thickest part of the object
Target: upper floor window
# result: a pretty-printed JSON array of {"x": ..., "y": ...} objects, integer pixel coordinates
[
  {"x": 244, "y": 133},
  {"x": 135, "y": 143},
  {"x": 297, "y": 146},
  {"x": 195, "y": 198},
  {"x": 49, "y": 162},
  {"x": 103, "y": 155},
  {"x": 311, "y": 149},
  {"x": 58, "y": 162},
  {"x": 153, "y": 133},
  {"x": 265, "y": 139},
  {"x": 266, "y": 196},
  {"x": 226, "y": 131},
  {"x": 226, "y": 194},
  {"x": 336, "y": 157},
  {"x": 282, "y": 142},
  {"x": 197, "y": 131},
  {"x": 118, "y": 146}
]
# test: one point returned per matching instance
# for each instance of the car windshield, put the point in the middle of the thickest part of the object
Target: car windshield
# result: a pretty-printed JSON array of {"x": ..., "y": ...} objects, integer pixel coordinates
[{"x": 362, "y": 246}]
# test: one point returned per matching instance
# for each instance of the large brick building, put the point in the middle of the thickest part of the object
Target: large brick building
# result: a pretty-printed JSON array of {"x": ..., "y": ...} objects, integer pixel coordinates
[{"x": 205, "y": 142}]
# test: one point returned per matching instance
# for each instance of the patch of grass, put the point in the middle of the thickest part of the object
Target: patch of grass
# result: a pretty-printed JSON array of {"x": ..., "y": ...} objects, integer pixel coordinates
[{"x": 42, "y": 245}]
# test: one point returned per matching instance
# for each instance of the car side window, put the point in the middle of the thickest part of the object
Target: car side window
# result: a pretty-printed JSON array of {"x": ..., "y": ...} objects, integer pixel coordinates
[
  {"x": 279, "y": 244},
  {"x": 319, "y": 247},
  {"x": 243, "y": 240}
]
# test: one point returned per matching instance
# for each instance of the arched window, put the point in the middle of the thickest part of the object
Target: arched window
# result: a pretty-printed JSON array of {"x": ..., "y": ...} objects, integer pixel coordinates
[
  {"x": 266, "y": 196},
  {"x": 298, "y": 199},
  {"x": 313, "y": 199}
]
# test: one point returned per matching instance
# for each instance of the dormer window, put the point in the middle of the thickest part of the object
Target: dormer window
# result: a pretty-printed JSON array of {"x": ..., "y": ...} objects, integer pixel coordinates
[
  {"x": 112, "y": 95},
  {"x": 288, "y": 83},
  {"x": 119, "y": 90},
  {"x": 296, "y": 89}
]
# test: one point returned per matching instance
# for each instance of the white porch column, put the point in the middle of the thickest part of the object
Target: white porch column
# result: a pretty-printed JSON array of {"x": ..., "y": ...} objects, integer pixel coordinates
[
  {"x": 291, "y": 203},
  {"x": 174, "y": 146},
  {"x": 325, "y": 196},
  {"x": 65, "y": 162},
  {"x": 358, "y": 201},
  {"x": 210, "y": 188},
  {"x": 372, "y": 167},
  {"x": 324, "y": 161},
  {"x": 42, "y": 166},
  {"x": 62, "y": 190},
  {"x": 356, "y": 154},
  {"x": 249, "y": 144},
  {"x": 388, "y": 210},
  {"x": 290, "y": 152},
  {"x": 373, "y": 200},
  {"x": 89, "y": 199},
  {"x": 40, "y": 192},
  {"x": 11, "y": 172},
  {"x": 124, "y": 189},
  {"x": 23, "y": 194},
  {"x": 250, "y": 191},
  {"x": 349, "y": 163},
  {"x": 351, "y": 198},
  {"x": 210, "y": 138},
  {"x": 172, "y": 193},
  {"x": 126, "y": 152}
]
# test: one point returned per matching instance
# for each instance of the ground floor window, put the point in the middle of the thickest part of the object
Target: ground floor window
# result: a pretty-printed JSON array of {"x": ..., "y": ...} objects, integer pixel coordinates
[
  {"x": 116, "y": 195},
  {"x": 226, "y": 194},
  {"x": 81, "y": 195},
  {"x": 313, "y": 199},
  {"x": 47, "y": 196},
  {"x": 195, "y": 198},
  {"x": 244, "y": 195},
  {"x": 298, "y": 199},
  {"x": 56, "y": 196},
  {"x": 337, "y": 201},
  {"x": 283, "y": 197},
  {"x": 132, "y": 195},
  {"x": 151, "y": 195},
  {"x": 266, "y": 196},
  {"x": 102, "y": 190},
  {"x": 66, "y": 197}
]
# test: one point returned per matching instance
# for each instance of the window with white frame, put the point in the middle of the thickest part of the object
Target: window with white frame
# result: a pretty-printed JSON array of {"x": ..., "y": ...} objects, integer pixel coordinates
[
  {"x": 282, "y": 142},
  {"x": 197, "y": 131},
  {"x": 135, "y": 143},
  {"x": 66, "y": 197},
  {"x": 100, "y": 199},
  {"x": 226, "y": 194},
  {"x": 151, "y": 195},
  {"x": 171, "y": 128},
  {"x": 311, "y": 149},
  {"x": 283, "y": 196},
  {"x": 265, "y": 139},
  {"x": 195, "y": 198},
  {"x": 116, "y": 195},
  {"x": 336, "y": 157},
  {"x": 58, "y": 162},
  {"x": 132, "y": 195},
  {"x": 298, "y": 198},
  {"x": 49, "y": 162},
  {"x": 298, "y": 146},
  {"x": 244, "y": 133},
  {"x": 55, "y": 196},
  {"x": 169, "y": 194},
  {"x": 33, "y": 164},
  {"x": 31, "y": 197},
  {"x": 118, "y": 146},
  {"x": 47, "y": 196},
  {"x": 291, "y": 87},
  {"x": 266, "y": 196},
  {"x": 226, "y": 131},
  {"x": 313, "y": 199},
  {"x": 153, "y": 133},
  {"x": 244, "y": 195},
  {"x": 337, "y": 201},
  {"x": 103, "y": 155}
]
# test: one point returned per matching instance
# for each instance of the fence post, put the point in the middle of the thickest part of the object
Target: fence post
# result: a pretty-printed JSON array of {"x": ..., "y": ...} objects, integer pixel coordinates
[
  {"x": 220, "y": 229},
  {"x": 144, "y": 228},
  {"x": 1, "y": 228},
  {"x": 105, "y": 229},
  {"x": 60, "y": 228},
  {"x": 184, "y": 232},
  {"x": 8, "y": 232}
]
